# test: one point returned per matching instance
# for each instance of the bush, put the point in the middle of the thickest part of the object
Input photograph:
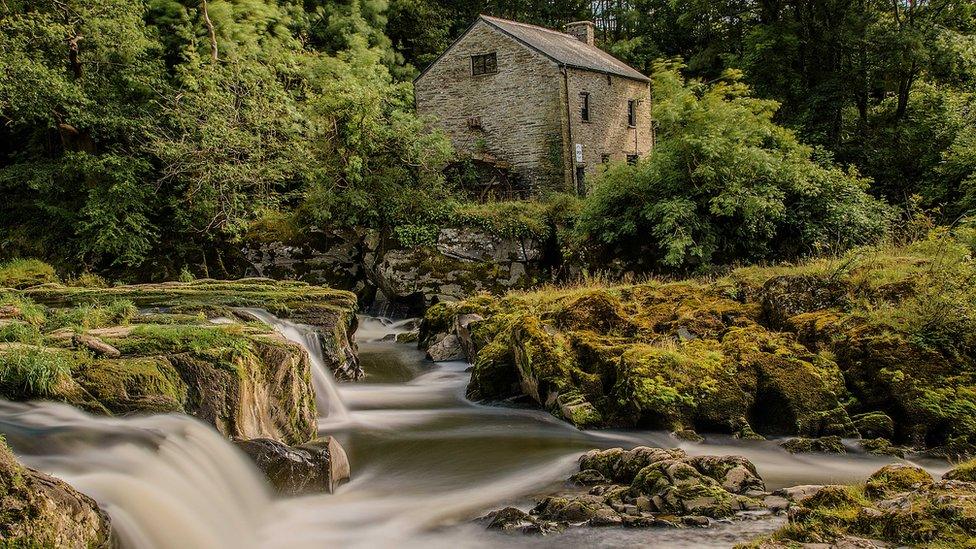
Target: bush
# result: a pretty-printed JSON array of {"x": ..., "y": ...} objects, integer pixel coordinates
[
  {"x": 725, "y": 183},
  {"x": 24, "y": 273}
]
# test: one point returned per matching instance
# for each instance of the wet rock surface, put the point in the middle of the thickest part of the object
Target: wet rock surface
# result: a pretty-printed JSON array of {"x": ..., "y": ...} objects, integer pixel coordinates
[{"x": 318, "y": 466}]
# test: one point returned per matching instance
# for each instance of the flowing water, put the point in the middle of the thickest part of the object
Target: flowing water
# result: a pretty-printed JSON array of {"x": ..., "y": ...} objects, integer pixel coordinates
[{"x": 424, "y": 462}]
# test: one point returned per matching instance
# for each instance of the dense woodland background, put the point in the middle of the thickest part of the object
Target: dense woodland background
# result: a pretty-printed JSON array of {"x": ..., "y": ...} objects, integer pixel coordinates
[{"x": 142, "y": 138}]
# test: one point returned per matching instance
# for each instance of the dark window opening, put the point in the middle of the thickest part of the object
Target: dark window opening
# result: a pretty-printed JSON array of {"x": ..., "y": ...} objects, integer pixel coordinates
[
  {"x": 632, "y": 113},
  {"x": 609, "y": 82},
  {"x": 604, "y": 158},
  {"x": 580, "y": 180},
  {"x": 484, "y": 64},
  {"x": 585, "y": 106},
  {"x": 632, "y": 159}
]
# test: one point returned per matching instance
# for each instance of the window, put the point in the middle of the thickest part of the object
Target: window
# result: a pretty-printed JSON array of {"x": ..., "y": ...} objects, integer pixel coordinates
[
  {"x": 604, "y": 158},
  {"x": 632, "y": 159},
  {"x": 632, "y": 113},
  {"x": 484, "y": 64},
  {"x": 585, "y": 106}
]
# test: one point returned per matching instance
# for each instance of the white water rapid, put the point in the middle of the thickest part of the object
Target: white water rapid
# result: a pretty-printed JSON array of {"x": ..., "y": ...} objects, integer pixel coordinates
[
  {"x": 327, "y": 397},
  {"x": 424, "y": 462}
]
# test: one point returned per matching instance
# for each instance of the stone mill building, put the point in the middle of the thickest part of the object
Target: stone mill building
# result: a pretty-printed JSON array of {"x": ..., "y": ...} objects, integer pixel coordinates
[{"x": 548, "y": 107}]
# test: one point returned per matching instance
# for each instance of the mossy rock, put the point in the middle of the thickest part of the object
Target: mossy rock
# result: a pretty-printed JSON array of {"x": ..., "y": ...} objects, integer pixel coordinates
[
  {"x": 896, "y": 478},
  {"x": 784, "y": 297},
  {"x": 494, "y": 375},
  {"x": 874, "y": 425},
  {"x": 899, "y": 505},
  {"x": 965, "y": 471},
  {"x": 38, "y": 510},
  {"x": 134, "y": 385},
  {"x": 881, "y": 447},
  {"x": 678, "y": 488},
  {"x": 823, "y": 445},
  {"x": 795, "y": 389}
]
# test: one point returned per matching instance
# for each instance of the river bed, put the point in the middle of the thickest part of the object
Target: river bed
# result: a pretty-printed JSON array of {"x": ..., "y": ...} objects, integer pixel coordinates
[{"x": 424, "y": 459}]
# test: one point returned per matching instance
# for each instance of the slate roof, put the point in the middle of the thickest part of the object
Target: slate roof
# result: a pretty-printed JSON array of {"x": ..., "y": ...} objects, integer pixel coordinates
[{"x": 564, "y": 49}]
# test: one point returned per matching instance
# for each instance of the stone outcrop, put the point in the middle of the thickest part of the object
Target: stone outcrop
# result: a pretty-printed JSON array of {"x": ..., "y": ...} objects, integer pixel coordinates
[
  {"x": 644, "y": 487},
  {"x": 242, "y": 378},
  {"x": 808, "y": 350},
  {"x": 317, "y": 466},
  {"x": 38, "y": 510},
  {"x": 402, "y": 281}
]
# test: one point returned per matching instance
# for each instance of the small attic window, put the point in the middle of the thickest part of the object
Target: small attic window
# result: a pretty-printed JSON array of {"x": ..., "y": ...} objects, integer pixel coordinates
[{"x": 484, "y": 64}]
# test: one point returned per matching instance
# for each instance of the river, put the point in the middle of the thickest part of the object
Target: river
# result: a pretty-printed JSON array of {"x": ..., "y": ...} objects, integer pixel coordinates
[{"x": 424, "y": 462}]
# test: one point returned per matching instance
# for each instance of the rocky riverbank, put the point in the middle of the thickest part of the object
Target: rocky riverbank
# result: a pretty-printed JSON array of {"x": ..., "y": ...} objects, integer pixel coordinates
[
  {"x": 877, "y": 344},
  {"x": 176, "y": 348}
]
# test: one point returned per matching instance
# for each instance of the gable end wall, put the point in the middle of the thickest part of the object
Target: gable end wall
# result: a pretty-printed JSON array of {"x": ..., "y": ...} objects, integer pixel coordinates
[{"x": 520, "y": 107}]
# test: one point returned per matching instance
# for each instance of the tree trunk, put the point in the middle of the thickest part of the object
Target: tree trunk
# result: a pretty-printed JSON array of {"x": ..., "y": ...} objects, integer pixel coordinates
[
  {"x": 210, "y": 30},
  {"x": 73, "y": 62}
]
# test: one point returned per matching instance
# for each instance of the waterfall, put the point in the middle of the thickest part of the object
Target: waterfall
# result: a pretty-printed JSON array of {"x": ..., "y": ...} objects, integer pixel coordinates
[
  {"x": 166, "y": 481},
  {"x": 327, "y": 396}
]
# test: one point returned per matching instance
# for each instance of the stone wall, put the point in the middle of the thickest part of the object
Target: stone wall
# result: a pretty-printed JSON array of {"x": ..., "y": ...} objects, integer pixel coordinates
[
  {"x": 607, "y": 132},
  {"x": 519, "y": 107}
]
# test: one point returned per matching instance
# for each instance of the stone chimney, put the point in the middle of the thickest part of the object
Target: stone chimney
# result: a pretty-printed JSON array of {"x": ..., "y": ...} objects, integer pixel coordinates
[{"x": 582, "y": 31}]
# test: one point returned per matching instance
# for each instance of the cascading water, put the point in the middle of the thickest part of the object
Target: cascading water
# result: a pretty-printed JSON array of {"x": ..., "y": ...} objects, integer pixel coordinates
[
  {"x": 327, "y": 397},
  {"x": 166, "y": 481},
  {"x": 424, "y": 461}
]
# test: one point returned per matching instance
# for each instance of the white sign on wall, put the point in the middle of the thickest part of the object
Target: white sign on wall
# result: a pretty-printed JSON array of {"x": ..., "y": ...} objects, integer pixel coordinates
[{"x": 579, "y": 153}]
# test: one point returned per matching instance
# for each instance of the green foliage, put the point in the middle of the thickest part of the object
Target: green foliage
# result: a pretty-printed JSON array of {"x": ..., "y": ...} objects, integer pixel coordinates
[
  {"x": 32, "y": 372},
  {"x": 23, "y": 273},
  {"x": 87, "y": 280},
  {"x": 113, "y": 313},
  {"x": 19, "y": 332},
  {"x": 154, "y": 339},
  {"x": 144, "y": 141},
  {"x": 25, "y": 308},
  {"x": 726, "y": 183}
]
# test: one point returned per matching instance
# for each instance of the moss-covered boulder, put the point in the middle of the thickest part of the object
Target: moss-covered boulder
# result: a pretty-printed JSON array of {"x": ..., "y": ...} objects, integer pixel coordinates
[
  {"x": 822, "y": 445},
  {"x": 965, "y": 471},
  {"x": 899, "y": 505},
  {"x": 38, "y": 510},
  {"x": 878, "y": 344},
  {"x": 896, "y": 478}
]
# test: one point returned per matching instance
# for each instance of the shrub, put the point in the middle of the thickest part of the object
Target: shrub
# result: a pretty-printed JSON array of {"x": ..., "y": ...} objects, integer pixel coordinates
[{"x": 724, "y": 184}]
